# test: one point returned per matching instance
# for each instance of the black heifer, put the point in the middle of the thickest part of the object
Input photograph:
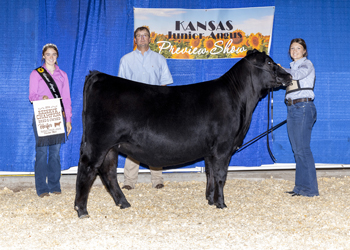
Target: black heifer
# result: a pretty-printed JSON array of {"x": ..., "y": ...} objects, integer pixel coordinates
[{"x": 166, "y": 126}]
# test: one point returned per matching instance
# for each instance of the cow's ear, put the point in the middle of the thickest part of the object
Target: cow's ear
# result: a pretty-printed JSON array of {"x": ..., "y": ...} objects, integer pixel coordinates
[{"x": 252, "y": 51}]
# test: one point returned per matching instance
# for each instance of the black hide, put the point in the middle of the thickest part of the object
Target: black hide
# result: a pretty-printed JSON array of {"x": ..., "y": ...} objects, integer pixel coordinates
[{"x": 169, "y": 125}]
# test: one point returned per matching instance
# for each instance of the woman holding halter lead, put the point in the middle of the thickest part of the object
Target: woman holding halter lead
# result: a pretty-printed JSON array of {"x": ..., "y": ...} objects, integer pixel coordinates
[
  {"x": 301, "y": 118},
  {"x": 47, "y": 160}
]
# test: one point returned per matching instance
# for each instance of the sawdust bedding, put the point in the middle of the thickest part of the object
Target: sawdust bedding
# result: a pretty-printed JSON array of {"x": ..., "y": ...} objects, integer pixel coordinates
[{"x": 259, "y": 215}]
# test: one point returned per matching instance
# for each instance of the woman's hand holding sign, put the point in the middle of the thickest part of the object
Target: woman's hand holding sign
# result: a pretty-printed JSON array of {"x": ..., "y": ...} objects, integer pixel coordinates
[{"x": 69, "y": 128}]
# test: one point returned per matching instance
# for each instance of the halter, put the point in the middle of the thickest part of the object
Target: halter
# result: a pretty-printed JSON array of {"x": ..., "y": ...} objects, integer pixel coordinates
[
  {"x": 274, "y": 73},
  {"x": 269, "y": 130}
]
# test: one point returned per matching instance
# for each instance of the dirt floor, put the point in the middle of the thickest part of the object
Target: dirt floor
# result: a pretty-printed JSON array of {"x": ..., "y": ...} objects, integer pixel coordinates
[{"x": 259, "y": 215}]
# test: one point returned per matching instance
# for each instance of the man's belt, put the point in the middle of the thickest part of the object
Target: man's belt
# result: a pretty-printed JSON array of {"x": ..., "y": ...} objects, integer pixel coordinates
[{"x": 290, "y": 102}]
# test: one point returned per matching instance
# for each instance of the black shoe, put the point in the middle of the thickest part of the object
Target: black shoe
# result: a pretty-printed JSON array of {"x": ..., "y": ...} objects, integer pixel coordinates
[
  {"x": 127, "y": 187},
  {"x": 159, "y": 186},
  {"x": 290, "y": 192},
  {"x": 295, "y": 194}
]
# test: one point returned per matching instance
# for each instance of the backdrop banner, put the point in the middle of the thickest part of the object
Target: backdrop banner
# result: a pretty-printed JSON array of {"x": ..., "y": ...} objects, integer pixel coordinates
[
  {"x": 95, "y": 35},
  {"x": 207, "y": 33}
]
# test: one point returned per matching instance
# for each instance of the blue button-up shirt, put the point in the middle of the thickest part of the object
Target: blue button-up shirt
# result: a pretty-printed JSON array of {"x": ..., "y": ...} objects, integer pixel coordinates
[
  {"x": 304, "y": 71},
  {"x": 150, "y": 68}
]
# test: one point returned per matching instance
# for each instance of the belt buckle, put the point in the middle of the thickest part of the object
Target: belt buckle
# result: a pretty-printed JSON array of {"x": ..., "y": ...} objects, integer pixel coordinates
[{"x": 289, "y": 102}]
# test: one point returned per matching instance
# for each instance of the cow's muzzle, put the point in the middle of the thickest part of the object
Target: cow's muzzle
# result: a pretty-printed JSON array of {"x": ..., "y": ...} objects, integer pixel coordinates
[{"x": 285, "y": 81}]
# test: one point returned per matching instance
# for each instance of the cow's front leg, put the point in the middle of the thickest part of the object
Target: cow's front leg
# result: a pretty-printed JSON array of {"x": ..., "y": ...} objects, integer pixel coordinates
[
  {"x": 108, "y": 174},
  {"x": 220, "y": 179},
  {"x": 218, "y": 166},
  {"x": 85, "y": 178}
]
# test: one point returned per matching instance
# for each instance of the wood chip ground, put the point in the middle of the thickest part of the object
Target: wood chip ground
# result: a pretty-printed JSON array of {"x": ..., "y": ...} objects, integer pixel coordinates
[{"x": 259, "y": 215}]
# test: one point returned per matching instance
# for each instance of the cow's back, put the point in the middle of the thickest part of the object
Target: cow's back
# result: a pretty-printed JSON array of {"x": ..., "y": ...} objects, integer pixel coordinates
[{"x": 181, "y": 123}]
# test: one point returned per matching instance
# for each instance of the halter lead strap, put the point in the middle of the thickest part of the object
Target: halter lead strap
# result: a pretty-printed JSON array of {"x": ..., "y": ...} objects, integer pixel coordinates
[
  {"x": 256, "y": 66},
  {"x": 269, "y": 130}
]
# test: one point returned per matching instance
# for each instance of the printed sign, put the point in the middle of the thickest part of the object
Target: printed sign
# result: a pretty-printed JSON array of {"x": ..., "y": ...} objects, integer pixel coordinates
[
  {"x": 48, "y": 117},
  {"x": 207, "y": 33}
]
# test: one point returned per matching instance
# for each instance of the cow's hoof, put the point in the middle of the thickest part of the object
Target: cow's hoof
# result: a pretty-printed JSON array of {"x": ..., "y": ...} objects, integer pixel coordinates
[
  {"x": 83, "y": 216},
  {"x": 210, "y": 202},
  {"x": 222, "y": 206},
  {"x": 124, "y": 205}
]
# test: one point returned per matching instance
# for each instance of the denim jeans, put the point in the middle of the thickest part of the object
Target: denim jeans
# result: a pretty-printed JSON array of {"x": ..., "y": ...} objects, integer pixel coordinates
[
  {"x": 300, "y": 120},
  {"x": 47, "y": 168}
]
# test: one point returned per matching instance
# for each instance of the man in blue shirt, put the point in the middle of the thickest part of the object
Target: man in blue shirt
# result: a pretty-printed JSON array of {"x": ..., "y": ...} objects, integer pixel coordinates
[{"x": 147, "y": 66}]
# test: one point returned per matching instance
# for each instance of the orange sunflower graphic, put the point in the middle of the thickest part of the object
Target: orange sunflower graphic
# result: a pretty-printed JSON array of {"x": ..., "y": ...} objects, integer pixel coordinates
[
  {"x": 247, "y": 42},
  {"x": 161, "y": 37},
  {"x": 195, "y": 43},
  {"x": 255, "y": 41},
  {"x": 153, "y": 37},
  {"x": 239, "y": 38},
  {"x": 267, "y": 39},
  {"x": 228, "y": 43},
  {"x": 209, "y": 43},
  {"x": 182, "y": 56}
]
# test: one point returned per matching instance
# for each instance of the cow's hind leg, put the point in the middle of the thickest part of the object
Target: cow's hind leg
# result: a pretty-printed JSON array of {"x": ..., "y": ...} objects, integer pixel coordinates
[
  {"x": 210, "y": 189},
  {"x": 85, "y": 178},
  {"x": 108, "y": 174},
  {"x": 217, "y": 167}
]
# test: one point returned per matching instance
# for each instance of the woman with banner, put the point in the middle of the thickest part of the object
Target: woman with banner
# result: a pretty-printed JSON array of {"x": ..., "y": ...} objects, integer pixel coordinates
[{"x": 48, "y": 82}]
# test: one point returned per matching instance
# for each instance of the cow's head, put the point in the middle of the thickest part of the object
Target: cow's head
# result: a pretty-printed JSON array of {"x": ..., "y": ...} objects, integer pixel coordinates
[{"x": 267, "y": 69}]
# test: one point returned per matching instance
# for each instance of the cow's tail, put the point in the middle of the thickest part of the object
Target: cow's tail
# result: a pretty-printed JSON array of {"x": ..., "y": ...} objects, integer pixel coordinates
[{"x": 89, "y": 80}]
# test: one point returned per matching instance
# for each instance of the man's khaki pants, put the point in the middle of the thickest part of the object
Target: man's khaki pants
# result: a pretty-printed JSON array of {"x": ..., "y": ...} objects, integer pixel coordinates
[{"x": 131, "y": 171}]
